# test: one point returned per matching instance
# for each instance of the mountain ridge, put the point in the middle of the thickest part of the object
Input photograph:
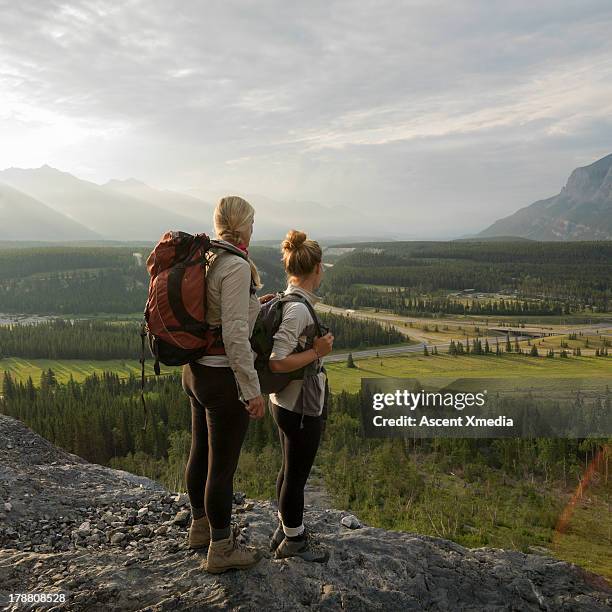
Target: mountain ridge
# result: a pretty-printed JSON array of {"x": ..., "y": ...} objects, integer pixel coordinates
[
  {"x": 31, "y": 219},
  {"x": 582, "y": 210},
  {"x": 130, "y": 209},
  {"x": 107, "y": 212}
]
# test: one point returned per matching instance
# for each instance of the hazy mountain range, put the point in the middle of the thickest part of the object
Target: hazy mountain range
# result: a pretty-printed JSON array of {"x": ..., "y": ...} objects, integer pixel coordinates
[
  {"x": 103, "y": 211},
  {"x": 581, "y": 211},
  {"x": 47, "y": 204},
  {"x": 23, "y": 217}
]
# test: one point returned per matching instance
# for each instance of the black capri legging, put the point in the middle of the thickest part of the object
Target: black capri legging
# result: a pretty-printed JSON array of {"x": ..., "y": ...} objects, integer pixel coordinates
[
  {"x": 219, "y": 422},
  {"x": 299, "y": 449}
]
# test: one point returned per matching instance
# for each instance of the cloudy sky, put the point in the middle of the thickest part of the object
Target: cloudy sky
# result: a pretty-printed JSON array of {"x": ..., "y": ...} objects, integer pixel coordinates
[{"x": 442, "y": 115}]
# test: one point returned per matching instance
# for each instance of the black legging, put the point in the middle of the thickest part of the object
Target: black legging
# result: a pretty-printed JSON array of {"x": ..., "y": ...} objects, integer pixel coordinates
[
  {"x": 219, "y": 422},
  {"x": 299, "y": 448}
]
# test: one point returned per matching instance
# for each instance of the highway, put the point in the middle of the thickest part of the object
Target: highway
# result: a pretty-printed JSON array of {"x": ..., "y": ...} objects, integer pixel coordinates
[{"x": 441, "y": 346}]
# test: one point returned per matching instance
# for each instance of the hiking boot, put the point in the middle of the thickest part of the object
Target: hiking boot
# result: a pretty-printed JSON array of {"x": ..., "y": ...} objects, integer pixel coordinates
[
  {"x": 230, "y": 554},
  {"x": 199, "y": 533},
  {"x": 306, "y": 548},
  {"x": 277, "y": 537}
]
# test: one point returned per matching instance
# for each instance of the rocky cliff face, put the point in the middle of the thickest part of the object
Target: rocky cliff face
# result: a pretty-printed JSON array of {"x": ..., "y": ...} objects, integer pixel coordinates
[
  {"x": 114, "y": 541},
  {"x": 581, "y": 211}
]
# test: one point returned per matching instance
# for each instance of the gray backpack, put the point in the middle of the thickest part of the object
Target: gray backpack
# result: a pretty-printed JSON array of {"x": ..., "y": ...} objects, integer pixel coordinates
[{"x": 262, "y": 342}]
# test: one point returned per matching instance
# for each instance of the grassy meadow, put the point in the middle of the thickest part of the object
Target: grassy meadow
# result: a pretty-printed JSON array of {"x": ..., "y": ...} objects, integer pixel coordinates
[
  {"x": 79, "y": 369},
  {"x": 342, "y": 378},
  {"x": 510, "y": 366}
]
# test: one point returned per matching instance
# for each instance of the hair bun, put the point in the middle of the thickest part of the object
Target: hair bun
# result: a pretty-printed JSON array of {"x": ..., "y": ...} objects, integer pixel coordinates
[{"x": 294, "y": 240}]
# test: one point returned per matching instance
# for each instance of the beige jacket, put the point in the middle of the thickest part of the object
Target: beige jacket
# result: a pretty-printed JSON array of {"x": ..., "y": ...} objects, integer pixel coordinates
[{"x": 231, "y": 305}]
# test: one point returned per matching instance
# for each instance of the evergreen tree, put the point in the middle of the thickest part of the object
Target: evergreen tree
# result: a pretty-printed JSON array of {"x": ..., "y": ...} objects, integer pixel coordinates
[{"x": 8, "y": 386}]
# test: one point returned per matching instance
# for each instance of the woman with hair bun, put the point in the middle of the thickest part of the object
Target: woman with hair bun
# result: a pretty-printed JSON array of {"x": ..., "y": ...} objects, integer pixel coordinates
[{"x": 298, "y": 408}]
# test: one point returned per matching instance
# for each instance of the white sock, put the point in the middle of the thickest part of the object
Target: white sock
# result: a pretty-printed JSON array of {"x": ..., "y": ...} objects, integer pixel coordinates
[{"x": 293, "y": 532}]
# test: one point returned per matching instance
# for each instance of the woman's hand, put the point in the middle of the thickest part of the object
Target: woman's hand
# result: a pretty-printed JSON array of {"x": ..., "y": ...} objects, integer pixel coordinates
[
  {"x": 266, "y": 298},
  {"x": 255, "y": 407},
  {"x": 323, "y": 345}
]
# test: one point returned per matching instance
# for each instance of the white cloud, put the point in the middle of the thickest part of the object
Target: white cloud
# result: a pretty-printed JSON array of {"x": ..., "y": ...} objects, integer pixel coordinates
[{"x": 457, "y": 111}]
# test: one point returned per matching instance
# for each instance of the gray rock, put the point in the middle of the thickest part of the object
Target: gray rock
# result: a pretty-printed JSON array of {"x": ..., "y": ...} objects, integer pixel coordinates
[
  {"x": 108, "y": 518},
  {"x": 141, "y": 531},
  {"x": 182, "y": 499},
  {"x": 171, "y": 546},
  {"x": 368, "y": 569},
  {"x": 182, "y": 518},
  {"x": 351, "y": 521},
  {"x": 84, "y": 528}
]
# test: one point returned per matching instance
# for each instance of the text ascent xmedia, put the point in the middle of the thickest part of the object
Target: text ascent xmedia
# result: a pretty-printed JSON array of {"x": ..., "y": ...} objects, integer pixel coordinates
[{"x": 444, "y": 401}]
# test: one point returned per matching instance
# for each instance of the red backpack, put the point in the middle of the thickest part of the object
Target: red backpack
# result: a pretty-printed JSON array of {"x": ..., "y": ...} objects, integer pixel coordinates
[{"x": 175, "y": 313}]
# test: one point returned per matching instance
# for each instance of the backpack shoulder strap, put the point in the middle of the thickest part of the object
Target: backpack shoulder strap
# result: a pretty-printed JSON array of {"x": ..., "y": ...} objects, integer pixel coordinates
[
  {"x": 230, "y": 248},
  {"x": 227, "y": 246},
  {"x": 296, "y": 297}
]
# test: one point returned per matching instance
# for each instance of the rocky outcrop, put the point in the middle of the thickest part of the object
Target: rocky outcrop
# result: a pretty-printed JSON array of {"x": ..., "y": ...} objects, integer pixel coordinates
[
  {"x": 581, "y": 211},
  {"x": 114, "y": 541}
]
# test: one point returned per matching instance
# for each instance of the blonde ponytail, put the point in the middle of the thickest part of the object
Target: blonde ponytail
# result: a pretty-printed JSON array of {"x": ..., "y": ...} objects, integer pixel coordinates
[{"x": 232, "y": 218}]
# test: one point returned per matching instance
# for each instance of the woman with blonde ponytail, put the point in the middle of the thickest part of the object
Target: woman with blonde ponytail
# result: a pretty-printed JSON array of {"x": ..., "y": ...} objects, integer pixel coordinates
[
  {"x": 299, "y": 408},
  {"x": 224, "y": 389}
]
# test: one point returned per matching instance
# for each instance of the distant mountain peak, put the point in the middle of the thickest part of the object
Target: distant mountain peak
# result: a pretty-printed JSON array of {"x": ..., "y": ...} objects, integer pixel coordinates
[
  {"x": 42, "y": 171},
  {"x": 134, "y": 212},
  {"x": 128, "y": 182},
  {"x": 49, "y": 169},
  {"x": 582, "y": 210},
  {"x": 585, "y": 183}
]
